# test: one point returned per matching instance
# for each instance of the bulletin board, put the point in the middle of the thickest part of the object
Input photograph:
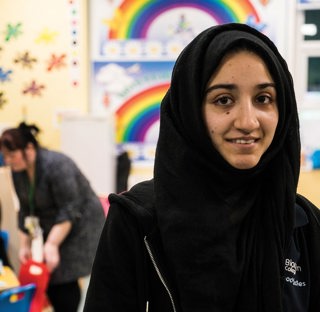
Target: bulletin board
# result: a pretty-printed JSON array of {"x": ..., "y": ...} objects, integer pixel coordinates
[{"x": 43, "y": 63}]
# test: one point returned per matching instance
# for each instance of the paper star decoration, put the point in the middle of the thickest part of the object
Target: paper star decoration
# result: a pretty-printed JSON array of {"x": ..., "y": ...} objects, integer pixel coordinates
[
  {"x": 25, "y": 60},
  {"x": 4, "y": 75},
  {"x": 33, "y": 89},
  {"x": 13, "y": 31},
  {"x": 56, "y": 62},
  {"x": 46, "y": 36},
  {"x": 2, "y": 99}
]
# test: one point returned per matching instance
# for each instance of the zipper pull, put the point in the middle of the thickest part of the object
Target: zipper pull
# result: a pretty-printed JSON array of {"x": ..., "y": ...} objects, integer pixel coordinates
[{"x": 147, "y": 306}]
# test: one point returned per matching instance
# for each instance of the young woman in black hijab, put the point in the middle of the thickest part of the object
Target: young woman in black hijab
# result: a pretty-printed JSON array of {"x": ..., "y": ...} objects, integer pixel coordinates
[{"x": 220, "y": 227}]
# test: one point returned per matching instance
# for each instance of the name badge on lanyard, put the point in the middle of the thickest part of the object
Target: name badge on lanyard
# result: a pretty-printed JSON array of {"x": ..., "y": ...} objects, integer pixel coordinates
[{"x": 32, "y": 224}]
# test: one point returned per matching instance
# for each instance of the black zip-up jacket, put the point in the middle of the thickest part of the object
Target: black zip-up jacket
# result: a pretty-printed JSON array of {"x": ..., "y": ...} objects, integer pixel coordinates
[{"x": 130, "y": 272}]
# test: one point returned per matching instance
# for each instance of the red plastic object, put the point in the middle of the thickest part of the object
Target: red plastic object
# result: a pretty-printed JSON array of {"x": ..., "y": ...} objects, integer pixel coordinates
[{"x": 38, "y": 274}]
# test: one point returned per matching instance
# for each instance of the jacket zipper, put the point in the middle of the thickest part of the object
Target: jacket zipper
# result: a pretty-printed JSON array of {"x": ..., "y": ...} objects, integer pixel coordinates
[{"x": 159, "y": 273}]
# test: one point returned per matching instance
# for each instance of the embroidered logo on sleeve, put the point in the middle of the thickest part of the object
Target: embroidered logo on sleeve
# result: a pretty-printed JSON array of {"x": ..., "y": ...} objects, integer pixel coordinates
[{"x": 293, "y": 268}]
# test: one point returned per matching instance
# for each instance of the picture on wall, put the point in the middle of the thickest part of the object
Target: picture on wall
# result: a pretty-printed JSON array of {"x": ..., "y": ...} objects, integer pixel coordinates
[
  {"x": 161, "y": 28},
  {"x": 133, "y": 92},
  {"x": 134, "y": 45}
]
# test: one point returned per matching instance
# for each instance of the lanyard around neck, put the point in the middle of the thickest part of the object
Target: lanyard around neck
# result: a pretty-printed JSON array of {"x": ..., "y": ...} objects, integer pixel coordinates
[{"x": 31, "y": 191}]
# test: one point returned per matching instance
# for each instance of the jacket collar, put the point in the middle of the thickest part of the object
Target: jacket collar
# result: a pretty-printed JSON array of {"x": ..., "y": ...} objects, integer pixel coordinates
[{"x": 301, "y": 217}]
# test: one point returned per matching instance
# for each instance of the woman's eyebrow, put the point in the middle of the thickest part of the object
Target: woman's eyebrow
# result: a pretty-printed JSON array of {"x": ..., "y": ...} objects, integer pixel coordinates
[
  {"x": 233, "y": 86},
  {"x": 266, "y": 85},
  {"x": 228, "y": 86}
]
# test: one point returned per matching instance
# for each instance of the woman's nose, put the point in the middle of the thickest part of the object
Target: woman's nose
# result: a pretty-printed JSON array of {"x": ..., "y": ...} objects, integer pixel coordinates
[{"x": 246, "y": 119}]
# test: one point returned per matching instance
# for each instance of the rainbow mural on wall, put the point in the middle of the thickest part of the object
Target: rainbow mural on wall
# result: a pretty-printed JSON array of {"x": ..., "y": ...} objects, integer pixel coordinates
[
  {"x": 138, "y": 15},
  {"x": 151, "y": 21},
  {"x": 139, "y": 113}
]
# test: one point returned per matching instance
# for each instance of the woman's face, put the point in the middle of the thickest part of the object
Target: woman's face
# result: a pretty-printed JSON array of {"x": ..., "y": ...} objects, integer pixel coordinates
[
  {"x": 19, "y": 159},
  {"x": 240, "y": 109},
  {"x": 14, "y": 159}
]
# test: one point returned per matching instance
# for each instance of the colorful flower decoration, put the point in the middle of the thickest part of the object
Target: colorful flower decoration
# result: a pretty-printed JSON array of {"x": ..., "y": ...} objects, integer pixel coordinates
[
  {"x": 25, "y": 60},
  {"x": 4, "y": 74},
  {"x": 46, "y": 36},
  {"x": 3, "y": 101},
  {"x": 33, "y": 89},
  {"x": 13, "y": 31},
  {"x": 56, "y": 62}
]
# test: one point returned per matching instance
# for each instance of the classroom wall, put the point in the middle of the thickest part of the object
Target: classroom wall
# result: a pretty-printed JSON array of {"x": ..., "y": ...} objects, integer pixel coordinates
[
  {"x": 43, "y": 63},
  {"x": 58, "y": 31}
]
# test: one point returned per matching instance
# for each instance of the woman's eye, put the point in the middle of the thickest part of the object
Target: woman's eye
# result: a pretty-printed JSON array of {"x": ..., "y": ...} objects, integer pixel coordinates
[
  {"x": 224, "y": 100},
  {"x": 264, "y": 99}
]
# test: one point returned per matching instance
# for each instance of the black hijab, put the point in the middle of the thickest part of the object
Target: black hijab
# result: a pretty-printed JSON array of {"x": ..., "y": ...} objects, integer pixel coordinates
[{"x": 224, "y": 230}]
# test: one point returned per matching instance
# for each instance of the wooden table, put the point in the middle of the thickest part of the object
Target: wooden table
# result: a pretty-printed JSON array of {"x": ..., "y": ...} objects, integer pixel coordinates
[{"x": 8, "y": 279}]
